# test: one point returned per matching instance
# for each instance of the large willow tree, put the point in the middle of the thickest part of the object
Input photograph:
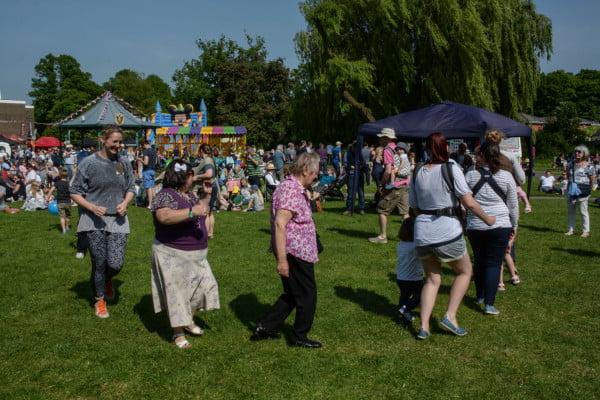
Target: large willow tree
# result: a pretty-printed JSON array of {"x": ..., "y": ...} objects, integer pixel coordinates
[{"x": 362, "y": 60}]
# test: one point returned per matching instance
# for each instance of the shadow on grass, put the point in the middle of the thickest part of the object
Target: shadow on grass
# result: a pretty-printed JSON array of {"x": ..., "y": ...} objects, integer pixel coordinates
[
  {"x": 83, "y": 290},
  {"x": 368, "y": 300},
  {"x": 578, "y": 252},
  {"x": 157, "y": 323},
  {"x": 248, "y": 309},
  {"x": 538, "y": 228}
]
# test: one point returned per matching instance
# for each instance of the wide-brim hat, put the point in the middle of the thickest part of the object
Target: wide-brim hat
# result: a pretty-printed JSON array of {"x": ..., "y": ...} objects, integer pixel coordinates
[
  {"x": 388, "y": 133},
  {"x": 402, "y": 145},
  {"x": 270, "y": 166}
]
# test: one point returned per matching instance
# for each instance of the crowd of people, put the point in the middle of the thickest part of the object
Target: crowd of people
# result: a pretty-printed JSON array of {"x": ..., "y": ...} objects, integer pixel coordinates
[{"x": 447, "y": 197}]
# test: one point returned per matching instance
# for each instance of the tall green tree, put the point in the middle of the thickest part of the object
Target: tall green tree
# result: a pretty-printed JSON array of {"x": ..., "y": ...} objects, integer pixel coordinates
[
  {"x": 132, "y": 87},
  {"x": 376, "y": 58},
  {"x": 59, "y": 88},
  {"x": 254, "y": 94},
  {"x": 161, "y": 91},
  {"x": 239, "y": 86},
  {"x": 559, "y": 87}
]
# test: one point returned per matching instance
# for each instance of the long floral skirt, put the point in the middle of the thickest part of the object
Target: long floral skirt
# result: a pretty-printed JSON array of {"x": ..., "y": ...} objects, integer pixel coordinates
[{"x": 182, "y": 283}]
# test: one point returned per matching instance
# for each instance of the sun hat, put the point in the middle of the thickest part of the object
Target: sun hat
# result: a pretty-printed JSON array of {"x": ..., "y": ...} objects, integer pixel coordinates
[
  {"x": 402, "y": 145},
  {"x": 254, "y": 187},
  {"x": 270, "y": 166},
  {"x": 388, "y": 133},
  {"x": 235, "y": 189}
]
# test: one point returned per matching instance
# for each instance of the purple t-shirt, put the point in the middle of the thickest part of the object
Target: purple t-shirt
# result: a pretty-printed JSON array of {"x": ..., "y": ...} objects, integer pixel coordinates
[
  {"x": 187, "y": 235},
  {"x": 301, "y": 241}
]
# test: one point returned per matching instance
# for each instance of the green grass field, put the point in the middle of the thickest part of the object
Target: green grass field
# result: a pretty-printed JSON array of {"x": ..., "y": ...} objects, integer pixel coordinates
[{"x": 544, "y": 345}]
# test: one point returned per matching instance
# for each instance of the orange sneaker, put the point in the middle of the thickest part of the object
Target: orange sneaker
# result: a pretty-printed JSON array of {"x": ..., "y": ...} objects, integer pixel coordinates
[
  {"x": 100, "y": 309},
  {"x": 109, "y": 291}
]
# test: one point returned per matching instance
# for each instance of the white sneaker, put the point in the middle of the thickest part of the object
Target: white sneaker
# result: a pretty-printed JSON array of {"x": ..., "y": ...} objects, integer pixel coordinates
[{"x": 79, "y": 255}]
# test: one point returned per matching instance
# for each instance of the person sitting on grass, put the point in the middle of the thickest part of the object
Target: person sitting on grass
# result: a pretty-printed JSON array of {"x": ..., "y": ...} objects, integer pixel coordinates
[
  {"x": 244, "y": 189},
  {"x": 3, "y": 206},
  {"x": 256, "y": 200},
  {"x": 547, "y": 183},
  {"x": 236, "y": 201},
  {"x": 35, "y": 198}
]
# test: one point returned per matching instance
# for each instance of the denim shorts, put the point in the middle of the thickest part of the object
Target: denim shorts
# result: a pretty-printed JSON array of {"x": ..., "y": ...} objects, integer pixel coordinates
[
  {"x": 148, "y": 178},
  {"x": 447, "y": 252}
]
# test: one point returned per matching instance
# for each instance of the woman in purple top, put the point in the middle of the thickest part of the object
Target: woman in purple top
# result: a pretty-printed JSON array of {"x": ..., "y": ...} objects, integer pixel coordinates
[
  {"x": 182, "y": 280},
  {"x": 294, "y": 243}
]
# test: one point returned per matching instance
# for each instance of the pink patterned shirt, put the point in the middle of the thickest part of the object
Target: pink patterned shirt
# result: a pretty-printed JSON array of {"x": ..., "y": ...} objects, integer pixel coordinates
[{"x": 301, "y": 239}]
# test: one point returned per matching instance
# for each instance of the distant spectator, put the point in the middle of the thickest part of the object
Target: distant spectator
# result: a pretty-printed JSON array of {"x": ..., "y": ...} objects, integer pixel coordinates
[{"x": 547, "y": 183}]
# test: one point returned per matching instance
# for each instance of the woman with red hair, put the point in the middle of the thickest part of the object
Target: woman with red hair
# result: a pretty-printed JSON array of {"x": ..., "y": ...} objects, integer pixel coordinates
[{"x": 438, "y": 231}]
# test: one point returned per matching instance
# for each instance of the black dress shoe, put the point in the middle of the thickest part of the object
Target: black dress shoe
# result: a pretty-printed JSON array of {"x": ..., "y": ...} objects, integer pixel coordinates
[
  {"x": 261, "y": 333},
  {"x": 307, "y": 343}
]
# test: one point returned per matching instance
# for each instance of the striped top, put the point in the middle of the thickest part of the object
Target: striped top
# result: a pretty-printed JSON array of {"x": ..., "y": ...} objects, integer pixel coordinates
[{"x": 507, "y": 215}]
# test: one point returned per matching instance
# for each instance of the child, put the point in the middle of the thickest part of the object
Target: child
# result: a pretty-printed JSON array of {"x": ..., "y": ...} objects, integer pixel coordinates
[
  {"x": 256, "y": 202},
  {"x": 409, "y": 271},
  {"x": 139, "y": 193},
  {"x": 63, "y": 198},
  {"x": 236, "y": 200}
]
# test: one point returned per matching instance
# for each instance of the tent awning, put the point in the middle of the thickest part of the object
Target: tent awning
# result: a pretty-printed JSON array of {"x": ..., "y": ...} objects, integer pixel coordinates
[{"x": 454, "y": 120}]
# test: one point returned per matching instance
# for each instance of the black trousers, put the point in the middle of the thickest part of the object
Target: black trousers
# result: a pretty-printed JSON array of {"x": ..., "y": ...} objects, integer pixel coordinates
[
  {"x": 410, "y": 293},
  {"x": 299, "y": 292}
]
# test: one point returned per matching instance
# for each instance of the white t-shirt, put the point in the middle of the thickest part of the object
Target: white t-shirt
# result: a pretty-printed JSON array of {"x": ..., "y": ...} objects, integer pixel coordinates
[
  {"x": 430, "y": 192},
  {"x": 547, "y": 181}
]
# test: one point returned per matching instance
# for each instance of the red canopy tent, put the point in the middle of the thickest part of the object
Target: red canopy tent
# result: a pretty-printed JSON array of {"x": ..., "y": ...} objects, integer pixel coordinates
[{"x": 48, "y": 141}]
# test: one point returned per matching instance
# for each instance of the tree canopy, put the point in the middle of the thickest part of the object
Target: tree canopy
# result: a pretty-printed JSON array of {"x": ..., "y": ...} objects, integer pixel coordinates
[
  {"x": 139, "y": 91},
  {"x": 60, "y": 87},
  {"x": 581, "y": 91},
  {"x": 239, "y": 86},
  {"x": 376, "y": 58}
]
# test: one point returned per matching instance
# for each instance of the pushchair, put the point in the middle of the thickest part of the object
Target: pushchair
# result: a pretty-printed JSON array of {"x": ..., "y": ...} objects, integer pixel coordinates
[{"x": 334, "y": 190}]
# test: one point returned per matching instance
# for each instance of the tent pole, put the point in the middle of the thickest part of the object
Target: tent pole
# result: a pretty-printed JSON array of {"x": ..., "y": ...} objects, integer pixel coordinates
[{"x": 531, "y": 165}]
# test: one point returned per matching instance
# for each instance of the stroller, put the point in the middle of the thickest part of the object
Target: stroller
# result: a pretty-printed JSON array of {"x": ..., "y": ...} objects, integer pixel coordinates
[{"x": 334, "y": 190}]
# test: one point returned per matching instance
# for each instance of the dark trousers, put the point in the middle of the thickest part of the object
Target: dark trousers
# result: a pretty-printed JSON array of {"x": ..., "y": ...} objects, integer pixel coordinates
[
  {"x": 410, "y": 293},
  {"x": 300, "y": 292},
  {"x": 489, "y": 247},
  {"x": 254, "y": 180},
  {"x": 360, "y": 191}
]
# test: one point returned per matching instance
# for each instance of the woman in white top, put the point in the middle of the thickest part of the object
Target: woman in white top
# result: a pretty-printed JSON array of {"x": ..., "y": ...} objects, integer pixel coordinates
[
  {"x": 496, "y": 191},
  {"x": 438, "y": 233}
]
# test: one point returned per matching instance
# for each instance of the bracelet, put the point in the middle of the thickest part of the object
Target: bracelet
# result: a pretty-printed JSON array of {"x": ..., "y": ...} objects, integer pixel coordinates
[{"x": 191, "y": 213}]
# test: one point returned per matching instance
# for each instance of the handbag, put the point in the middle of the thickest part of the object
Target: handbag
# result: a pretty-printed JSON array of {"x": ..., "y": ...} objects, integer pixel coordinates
[{"x": 319, "y": 244}]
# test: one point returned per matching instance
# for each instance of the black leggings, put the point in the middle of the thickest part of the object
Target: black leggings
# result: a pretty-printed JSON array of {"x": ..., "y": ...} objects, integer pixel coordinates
[{"x": 108, "y": 253}]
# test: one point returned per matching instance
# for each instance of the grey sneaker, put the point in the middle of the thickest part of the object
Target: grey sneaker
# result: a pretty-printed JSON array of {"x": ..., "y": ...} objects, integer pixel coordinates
[{"x": 378, "y": 239}]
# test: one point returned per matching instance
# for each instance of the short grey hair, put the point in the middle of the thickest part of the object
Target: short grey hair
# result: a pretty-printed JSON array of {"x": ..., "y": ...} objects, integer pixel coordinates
[
  {"x": 310, "y": 161},
  {"x": 584, "y": 150}
]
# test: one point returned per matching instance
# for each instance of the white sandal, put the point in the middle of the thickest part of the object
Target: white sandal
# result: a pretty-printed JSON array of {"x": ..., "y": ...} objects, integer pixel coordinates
[
  {"x": 182, "y": 344},
  {"x": 194, "y": 330}
]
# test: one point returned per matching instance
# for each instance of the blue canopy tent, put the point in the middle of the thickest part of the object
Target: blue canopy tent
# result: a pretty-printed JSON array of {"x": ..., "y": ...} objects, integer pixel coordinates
[{"x": 454, "y": 120}]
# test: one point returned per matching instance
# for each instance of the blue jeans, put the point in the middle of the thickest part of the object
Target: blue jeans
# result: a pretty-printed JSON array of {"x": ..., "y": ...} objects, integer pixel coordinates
[
  {"x": 489, "y": 247},
  {"x": 360, "y": 190}
]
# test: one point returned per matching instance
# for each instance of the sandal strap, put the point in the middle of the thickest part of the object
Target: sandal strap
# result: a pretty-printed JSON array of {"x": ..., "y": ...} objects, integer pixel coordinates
[{"x": 176, "y": 335}]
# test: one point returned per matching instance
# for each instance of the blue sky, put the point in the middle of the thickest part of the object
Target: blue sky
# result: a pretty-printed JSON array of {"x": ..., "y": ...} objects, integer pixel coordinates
[{"x": 157, "y": 37}]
